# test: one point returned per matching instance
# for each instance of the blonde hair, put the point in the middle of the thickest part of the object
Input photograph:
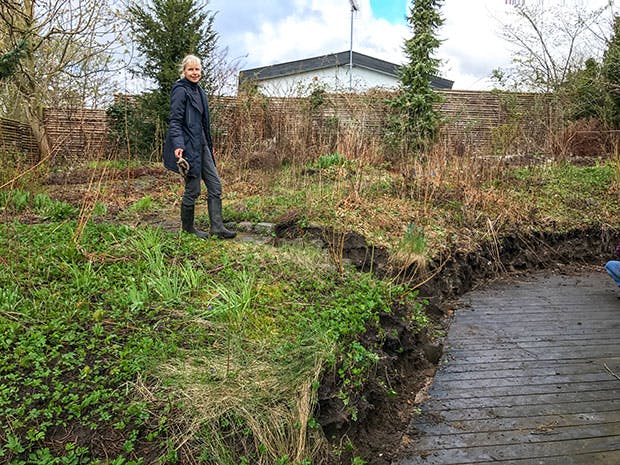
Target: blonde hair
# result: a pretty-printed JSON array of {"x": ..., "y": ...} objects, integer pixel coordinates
[{"x": 189, "y": 59}]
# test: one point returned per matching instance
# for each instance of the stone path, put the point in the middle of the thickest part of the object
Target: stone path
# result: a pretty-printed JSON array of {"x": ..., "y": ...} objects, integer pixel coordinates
[{"x": 530, "y": 375}]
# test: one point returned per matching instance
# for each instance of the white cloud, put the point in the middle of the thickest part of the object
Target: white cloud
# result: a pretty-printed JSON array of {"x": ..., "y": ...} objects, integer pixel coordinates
[
  {"x": 471, "y": 48},
  {"x": 275, "y": 31}
]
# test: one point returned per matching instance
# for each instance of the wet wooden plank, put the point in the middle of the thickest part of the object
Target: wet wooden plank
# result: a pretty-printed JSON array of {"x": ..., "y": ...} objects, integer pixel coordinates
[
  {"x": 517, "y": 354},
  {"x": 496, "y": 387},
  {"x": 604, "y": 366},
  {"x": 530, "y": 319},
  {"x": 528, "y": 376},
  {"x": 534, "y": 434},
  {"x": 541, "y": 332},
  {"x": 542, "y": 457},
  {"x": 600, "y": 458},
  {"x": 477, "y": 379},
  {"x": 532, "y": 342},
  {"x": 542, "y": 424},
  {"x": 561, "y": 366},
  {"x": 516, "y": 411},
  {"x": 533, "y": 400}
]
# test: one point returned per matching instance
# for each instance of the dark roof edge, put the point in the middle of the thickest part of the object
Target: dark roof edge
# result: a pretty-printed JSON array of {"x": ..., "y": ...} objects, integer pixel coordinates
[{"x": 360, "y": 60}]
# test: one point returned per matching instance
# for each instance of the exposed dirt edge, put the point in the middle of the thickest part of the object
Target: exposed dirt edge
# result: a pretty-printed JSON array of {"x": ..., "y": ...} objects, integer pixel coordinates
[{"x": 407, "y": 360}]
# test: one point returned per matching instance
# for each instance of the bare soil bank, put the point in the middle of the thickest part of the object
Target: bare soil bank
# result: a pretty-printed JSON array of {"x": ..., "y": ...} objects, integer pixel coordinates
[{"x": 408, "y": 361}]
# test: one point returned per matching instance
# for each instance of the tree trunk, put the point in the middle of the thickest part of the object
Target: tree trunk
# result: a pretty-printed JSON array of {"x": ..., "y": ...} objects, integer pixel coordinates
[{"x": 37, "y": 125}]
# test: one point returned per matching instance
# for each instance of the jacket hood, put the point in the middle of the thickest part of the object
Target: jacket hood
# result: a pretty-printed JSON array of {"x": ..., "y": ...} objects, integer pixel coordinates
[{"x": 183, "y": 82}]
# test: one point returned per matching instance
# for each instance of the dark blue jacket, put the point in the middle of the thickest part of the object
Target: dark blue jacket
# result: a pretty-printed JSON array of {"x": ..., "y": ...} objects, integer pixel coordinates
[{"x": 188, "y": 126}]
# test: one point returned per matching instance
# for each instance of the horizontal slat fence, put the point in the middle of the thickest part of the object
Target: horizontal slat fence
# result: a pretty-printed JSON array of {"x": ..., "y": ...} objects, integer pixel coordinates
[
  {"x": 17, "y": 140},
  {"x": 479, "y": 122},
  {"x": 77, "y": 133},
  {"x": 496, "y": 121},
  {"x": 475, "y": 120}
]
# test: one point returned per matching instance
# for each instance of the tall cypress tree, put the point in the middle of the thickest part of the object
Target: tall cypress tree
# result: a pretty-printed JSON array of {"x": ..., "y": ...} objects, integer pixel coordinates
[
  {"x": 611, "y": 73},
  {"x": 417, "y": 119}
]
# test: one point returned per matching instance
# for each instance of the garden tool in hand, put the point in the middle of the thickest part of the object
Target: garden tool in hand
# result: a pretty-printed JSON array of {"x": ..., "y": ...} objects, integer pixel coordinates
[{"x": 183, "y": 166}]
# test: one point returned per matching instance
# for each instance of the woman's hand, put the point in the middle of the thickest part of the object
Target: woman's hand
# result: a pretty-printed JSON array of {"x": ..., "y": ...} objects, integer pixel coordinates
[{"x": 178, "y": 152}]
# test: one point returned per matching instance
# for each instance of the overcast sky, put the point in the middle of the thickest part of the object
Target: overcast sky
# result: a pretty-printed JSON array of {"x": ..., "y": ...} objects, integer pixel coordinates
[{"x": 260, "y": 33}]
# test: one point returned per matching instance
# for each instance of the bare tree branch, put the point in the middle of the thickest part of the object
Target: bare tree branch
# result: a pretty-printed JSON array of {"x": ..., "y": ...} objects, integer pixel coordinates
[
  {"x": 549, "y": 44},
  {"x": 70, "y": 44}
]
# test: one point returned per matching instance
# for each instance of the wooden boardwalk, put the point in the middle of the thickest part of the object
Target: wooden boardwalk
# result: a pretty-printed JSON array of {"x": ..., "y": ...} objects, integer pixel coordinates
[{"x": 529, "y": 375}]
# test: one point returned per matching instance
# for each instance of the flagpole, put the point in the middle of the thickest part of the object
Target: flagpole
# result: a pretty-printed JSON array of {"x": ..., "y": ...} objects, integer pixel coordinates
[{"x": 354, "y": 8}]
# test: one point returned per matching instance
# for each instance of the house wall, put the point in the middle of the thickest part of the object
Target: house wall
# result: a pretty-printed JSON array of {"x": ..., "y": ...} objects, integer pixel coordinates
[{"x": 334, "y": 79}]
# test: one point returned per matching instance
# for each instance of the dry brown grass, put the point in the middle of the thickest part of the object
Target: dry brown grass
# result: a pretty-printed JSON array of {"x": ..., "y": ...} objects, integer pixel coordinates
[
  {"x": 453, "y": 190},
  {"x": 224, "y": 400},
  {"x": 264, "y": 147}
]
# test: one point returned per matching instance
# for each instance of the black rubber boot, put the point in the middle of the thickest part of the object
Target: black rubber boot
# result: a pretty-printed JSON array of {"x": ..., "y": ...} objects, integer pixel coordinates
[
  {"x": 187, "y": 221},
  {"x": 217, "y": 224}
]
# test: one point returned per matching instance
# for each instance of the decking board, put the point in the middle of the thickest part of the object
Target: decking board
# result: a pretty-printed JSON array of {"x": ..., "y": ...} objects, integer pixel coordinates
[{"x": 529, "y": 375}]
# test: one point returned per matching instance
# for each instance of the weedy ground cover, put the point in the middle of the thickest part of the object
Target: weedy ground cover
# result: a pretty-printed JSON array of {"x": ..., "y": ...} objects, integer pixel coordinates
[
  {"x": 133, "y": 345},
  {"x": 125, "y": 344},
  {"x": 444, "y": 203}
]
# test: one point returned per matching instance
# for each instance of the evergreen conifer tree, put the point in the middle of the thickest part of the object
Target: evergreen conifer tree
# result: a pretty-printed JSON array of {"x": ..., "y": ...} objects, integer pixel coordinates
[
  {"x": 611, "y": 74},
  {"x": 165, "y": 31},
  {"x": 10, "y": 60},
  {"x": 417, "y": 118}
]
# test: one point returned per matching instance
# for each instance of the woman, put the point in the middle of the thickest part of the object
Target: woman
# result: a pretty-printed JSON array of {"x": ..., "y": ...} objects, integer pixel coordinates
[{"x": 188, "y": 142}]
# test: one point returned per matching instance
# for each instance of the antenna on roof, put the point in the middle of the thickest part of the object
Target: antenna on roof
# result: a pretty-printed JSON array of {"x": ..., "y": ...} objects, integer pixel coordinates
[{"x": 354, "y": 7}]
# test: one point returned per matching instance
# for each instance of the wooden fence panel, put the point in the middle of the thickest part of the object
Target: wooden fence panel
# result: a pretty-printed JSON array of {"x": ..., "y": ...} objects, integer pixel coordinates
[
  {"x": 77, "y": 133},
  {"x": 473, "y": 119},
  {"x": 495, "y": 121},
  {"x": 16, "y": 139}
]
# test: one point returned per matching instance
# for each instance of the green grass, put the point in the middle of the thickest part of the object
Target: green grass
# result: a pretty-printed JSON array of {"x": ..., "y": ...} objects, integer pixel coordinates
[
  {"x": 568, "y": 195},
  {"x": 144, "y": 204},
  {"x": 18, "y": 201},
  {"x": 135, "y": 345},
  {"x": 452, "y": 213},
  {"x": 123, "y": 345},
  {"x": 327, "y": 161},
  {"x": 118, "y": 164}
]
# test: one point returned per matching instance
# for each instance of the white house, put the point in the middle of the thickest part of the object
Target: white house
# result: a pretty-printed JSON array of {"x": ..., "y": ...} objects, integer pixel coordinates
[{"x": 332, "y": 72}]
